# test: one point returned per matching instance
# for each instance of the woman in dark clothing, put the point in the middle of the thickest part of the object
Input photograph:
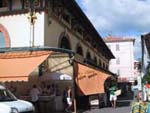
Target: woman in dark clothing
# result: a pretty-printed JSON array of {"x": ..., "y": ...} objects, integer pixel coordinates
[{"x": 67, "y": 99}]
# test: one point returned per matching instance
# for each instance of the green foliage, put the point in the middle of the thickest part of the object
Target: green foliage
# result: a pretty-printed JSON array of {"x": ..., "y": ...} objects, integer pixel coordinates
[{"x": 146, "y": 77}]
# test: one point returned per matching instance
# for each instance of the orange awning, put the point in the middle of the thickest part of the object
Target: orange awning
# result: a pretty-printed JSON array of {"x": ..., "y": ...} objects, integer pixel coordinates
[
  {"x": 89, "y": 80},
  {"x": 16, "y": 66}
]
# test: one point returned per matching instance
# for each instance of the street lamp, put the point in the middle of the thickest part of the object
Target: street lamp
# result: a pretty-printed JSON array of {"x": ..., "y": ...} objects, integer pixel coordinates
[{"x": 32, "y": 18}]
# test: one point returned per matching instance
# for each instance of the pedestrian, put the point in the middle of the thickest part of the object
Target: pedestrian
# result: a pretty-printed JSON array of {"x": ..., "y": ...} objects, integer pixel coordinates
[
  {"x": 67, "y": 99},
  {"x": 113, "y": 97},
  {"x": 44, "y": 88},
  {"x": 34, "y": 93}
]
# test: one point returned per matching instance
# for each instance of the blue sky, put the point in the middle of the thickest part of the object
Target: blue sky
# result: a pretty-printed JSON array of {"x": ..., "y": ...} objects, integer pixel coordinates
[{"x": 127, "y": 18}]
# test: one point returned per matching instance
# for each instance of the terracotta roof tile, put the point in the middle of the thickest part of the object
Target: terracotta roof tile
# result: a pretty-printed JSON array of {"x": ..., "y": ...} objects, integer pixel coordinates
[{"x": 117, "y": 39}]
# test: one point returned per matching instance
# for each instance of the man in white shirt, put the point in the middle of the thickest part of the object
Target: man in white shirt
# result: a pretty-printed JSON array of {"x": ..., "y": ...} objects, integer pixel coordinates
[{"x": 34, "y": 93}]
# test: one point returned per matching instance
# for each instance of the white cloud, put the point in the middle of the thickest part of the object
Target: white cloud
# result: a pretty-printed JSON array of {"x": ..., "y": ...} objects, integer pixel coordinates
[{"x": 119, "y": 17}]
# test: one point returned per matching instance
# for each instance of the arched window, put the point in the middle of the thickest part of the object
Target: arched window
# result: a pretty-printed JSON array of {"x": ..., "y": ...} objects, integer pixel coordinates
[
  {"x": 2, "y": 40},
  {"x": 95, "y": 60},
  {"x": 100, "y": 64},
  {"x": 107, "y": 67},
  {"x": 4, "y": 37},
  {"x": 79, "y": 50},
  {"x": 88, "y": 56},
  {"x": 65, "y": 43},
  {"x": 103, "y": 65}
]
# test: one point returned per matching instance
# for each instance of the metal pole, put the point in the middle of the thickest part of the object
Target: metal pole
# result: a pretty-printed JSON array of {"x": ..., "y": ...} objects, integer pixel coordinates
[
  {"x": 33, "y": 35},
  {"x": 74, "y": 86},
  {"x": 32, "y": 17}
]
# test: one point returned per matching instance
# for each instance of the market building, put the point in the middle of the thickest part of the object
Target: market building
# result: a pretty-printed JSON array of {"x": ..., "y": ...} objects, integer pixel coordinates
[
  {"x": 56, "y": 25},
  {"x": 52, "y": 23}
]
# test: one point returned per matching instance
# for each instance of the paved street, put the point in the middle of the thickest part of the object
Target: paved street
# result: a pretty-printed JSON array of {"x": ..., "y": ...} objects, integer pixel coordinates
[
  {"x": 123, "y": 106},
  {"x": 110, "y": 110}
]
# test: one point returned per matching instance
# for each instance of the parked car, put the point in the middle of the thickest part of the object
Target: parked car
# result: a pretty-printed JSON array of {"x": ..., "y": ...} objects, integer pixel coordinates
[
  {"x": 4, "y": 108},
  {"x": 10, "y": 104}
]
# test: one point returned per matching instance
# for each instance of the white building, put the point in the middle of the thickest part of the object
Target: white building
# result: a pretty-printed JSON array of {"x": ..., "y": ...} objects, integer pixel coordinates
[{"x": 123, "y": 64}]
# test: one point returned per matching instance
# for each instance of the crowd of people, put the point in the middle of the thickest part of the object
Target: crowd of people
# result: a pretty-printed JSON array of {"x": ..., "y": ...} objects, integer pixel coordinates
[{"x": 35, "y": 92}]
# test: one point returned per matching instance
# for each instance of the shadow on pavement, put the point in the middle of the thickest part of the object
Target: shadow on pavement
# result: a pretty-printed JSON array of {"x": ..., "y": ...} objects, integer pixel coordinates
[{"x": 123, "y": 103}]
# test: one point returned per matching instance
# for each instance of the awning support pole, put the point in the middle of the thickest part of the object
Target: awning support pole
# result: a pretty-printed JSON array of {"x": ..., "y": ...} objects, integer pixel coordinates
[{"x": 74, "y": 87}]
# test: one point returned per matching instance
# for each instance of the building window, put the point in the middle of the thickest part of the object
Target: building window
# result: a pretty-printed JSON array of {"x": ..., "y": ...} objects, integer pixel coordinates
[
  {"x": 79, "y": 30},
  {"x": 100, "y": 64},
  {"x": 4, "y": 37},
  {"x": 30, "y": 3},
  {"x": 65, "y": 43},
  {"x": 88, "y": 39},
  {"x": 103, "y": 65},
  {"x": 117, "y": 47},
  {"x": 2, "y": 40},
  {"x": 79, "y": 50},
  {"x": 88, "y": 56},
  {"x": 66, "y": 17},
  {"x": 107, "y": 67},
  {"x": 3, "y": 3},
  {"x": 118, "y": 72},
  {"x": 95, "y": 60},
  {"x": 118, "y": 61}
]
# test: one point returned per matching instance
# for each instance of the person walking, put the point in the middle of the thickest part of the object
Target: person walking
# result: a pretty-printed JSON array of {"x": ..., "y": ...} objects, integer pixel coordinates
[
  {"x": 34, "y": 94},
  {"x": 113, "y": 97},
  {"x": 67, "y": 99}
]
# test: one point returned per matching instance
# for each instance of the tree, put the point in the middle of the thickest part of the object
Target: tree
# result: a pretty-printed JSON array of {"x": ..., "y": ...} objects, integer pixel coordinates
[{"x": 146, "y": 77}]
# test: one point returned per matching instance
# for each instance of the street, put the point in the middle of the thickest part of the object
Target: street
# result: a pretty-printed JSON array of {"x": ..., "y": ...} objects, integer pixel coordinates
[
  {"x": 110, "y": 110},
  {"x": 123, "y": 106}
]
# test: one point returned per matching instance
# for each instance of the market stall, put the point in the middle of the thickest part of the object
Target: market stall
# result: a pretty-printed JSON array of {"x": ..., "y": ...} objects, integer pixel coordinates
[
  {"x": 21, "y": 69},
  {"x": 53, "y": 69}
]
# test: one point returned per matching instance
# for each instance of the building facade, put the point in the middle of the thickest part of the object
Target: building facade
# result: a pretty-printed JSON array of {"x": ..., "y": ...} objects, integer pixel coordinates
[
  {"x": 123, "y": 64},
  {"x": 53, "y": 23},
  {"x": 145, "y": 40},
  {"x": 137, "y": 68}
]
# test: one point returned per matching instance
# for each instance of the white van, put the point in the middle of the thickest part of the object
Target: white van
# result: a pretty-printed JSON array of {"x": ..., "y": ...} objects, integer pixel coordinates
[
  {"x": 4, "y": 108},
  {"x": 10, "y": 104}
]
